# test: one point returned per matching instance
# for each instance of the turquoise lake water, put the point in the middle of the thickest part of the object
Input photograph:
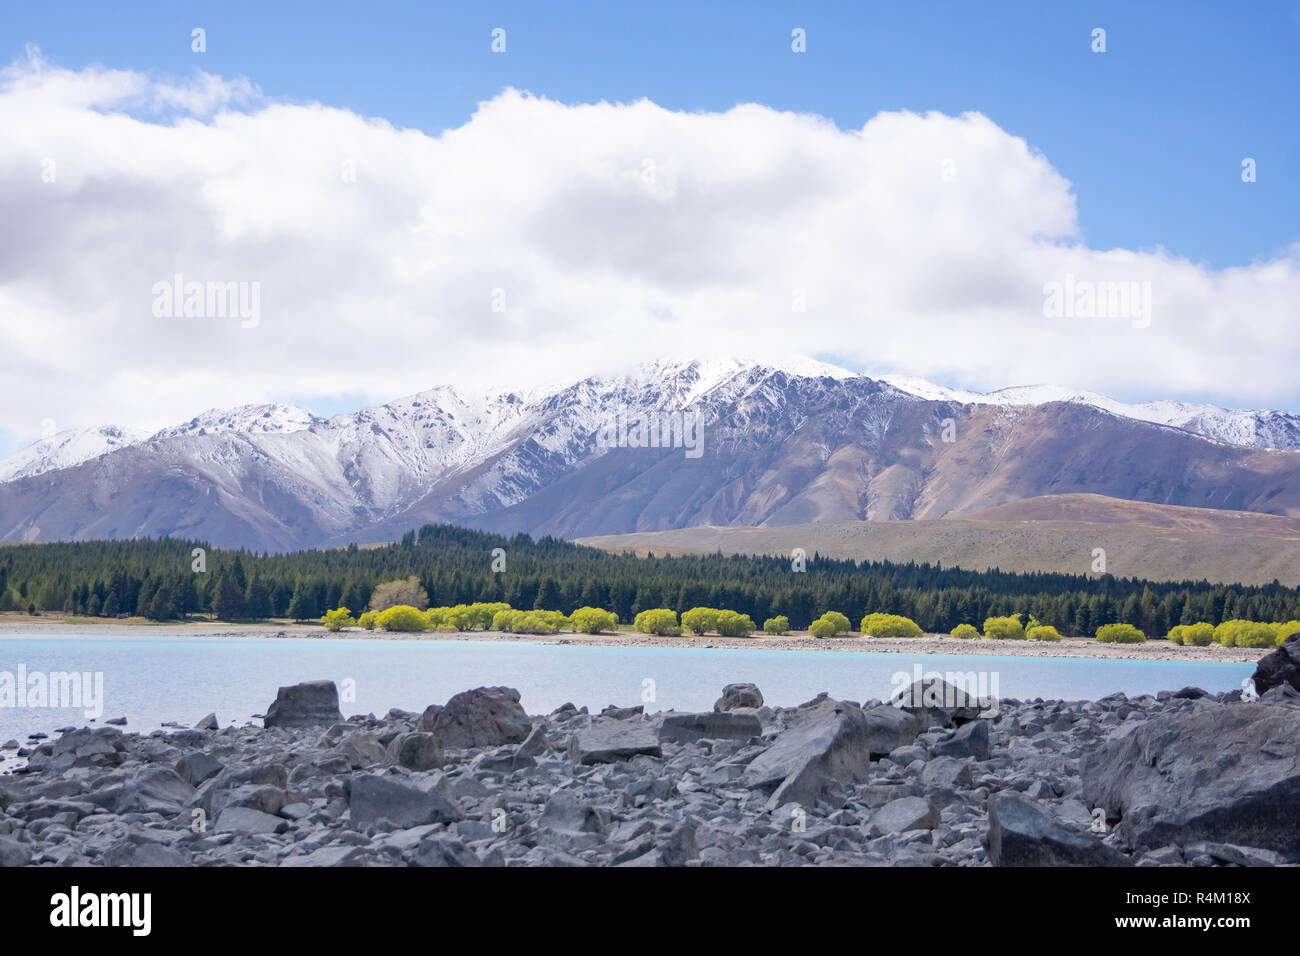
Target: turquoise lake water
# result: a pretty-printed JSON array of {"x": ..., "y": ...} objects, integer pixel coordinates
[{"x": 151, "y": 680}]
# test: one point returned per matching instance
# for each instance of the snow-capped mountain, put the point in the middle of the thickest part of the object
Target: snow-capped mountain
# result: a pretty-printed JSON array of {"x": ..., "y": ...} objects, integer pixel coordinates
[
  {"x": 1257, "y": 428},
  {"x": 781, "y": 443},
  {"x": 67, "y": 448},
  {"x": 249, "y": 419},
  {"x": 76, "y": 445}
]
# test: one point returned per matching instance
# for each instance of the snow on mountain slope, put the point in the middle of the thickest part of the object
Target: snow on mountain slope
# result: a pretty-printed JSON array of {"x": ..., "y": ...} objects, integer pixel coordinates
[
  {"x": 67, "y": 448},
  {"x": 246, "y": 419},
  {"x": 786, "y": 442},
  {"x": 414, "y": 439},
  {"x": 1255, "y": 428}
]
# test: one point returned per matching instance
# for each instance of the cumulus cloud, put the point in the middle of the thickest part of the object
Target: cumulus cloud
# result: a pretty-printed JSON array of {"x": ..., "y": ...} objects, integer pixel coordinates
[{"x": 542, "y": 241}]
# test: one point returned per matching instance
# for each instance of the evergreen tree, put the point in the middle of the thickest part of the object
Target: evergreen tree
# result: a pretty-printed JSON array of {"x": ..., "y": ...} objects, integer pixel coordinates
[
  {"x": 228, "y": 599},
  {"x": 548, "y": 596}
]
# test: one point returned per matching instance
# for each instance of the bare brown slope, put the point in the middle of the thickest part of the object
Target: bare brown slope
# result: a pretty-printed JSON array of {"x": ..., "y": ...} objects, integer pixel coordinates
[
  {"x": 1098, "y": 509},
  {"x": 1169, "y": 546}
]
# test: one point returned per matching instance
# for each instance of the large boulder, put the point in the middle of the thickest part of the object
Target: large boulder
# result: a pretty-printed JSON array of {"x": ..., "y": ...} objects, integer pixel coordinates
[
  {"x": 196, "y": 767},
  {"x": 375, "y": 798},
  {"x": 1282, "y": 666},
  {"x": 310, "y": 704},
  {"x": 1024, "y": 833},
  {"x": 903, "y": 814},
  {"x": 938, "y": 703},
  {"x": 154, "y": 790},
  {"x": 415, "y": 751},
  {"x": 826, "y": 746},
  {"x": 483, "y": 717},
  {"x": 688, "y": 728},
  {"x": 564, "y": 811},
  {"x": 969, "y": 740},
  {"x": 737, "y": 696},
  {"x": 1225, "y": 773},
  {"x": 889, "y": 728},
  {"x": 13, "y": 853}
]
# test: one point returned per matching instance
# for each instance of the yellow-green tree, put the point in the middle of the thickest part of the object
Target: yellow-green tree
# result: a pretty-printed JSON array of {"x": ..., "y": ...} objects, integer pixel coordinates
[
  {"x": 402, "y": 617},
  {"x": 658, "y": 620},
  {"x": 338, "y": 619},
  {"x": 701, "y": 620},
  {"x": 1004, "y": 628}
]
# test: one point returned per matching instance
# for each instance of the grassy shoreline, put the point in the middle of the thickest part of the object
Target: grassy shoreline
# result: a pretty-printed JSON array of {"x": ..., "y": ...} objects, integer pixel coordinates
[{"x": 22, "y": 625}]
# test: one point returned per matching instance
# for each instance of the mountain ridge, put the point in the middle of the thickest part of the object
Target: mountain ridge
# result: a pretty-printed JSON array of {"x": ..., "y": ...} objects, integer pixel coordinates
[{"x": 809, "y": 442}]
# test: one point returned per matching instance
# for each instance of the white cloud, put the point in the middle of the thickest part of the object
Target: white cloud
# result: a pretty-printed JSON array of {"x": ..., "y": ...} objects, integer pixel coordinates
[{"x": 614, "y": 232}]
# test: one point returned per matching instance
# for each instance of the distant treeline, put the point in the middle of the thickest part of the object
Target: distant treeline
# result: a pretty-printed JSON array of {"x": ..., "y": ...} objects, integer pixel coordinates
[{"x": 155, "y": 579}]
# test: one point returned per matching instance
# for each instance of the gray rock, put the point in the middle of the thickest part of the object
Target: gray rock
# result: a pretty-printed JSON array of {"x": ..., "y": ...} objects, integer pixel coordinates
[
  {"x": 737, "y": 696},
  {"x": 248, "y": 820},
  {"x": 1235, "y": 855},
  {"x": 889, "y": 728},
  {"x": 415, "y": 751},
  {"x": 723, "y": 725},
  {"x": 194, "y": 768},
  {"x": 1165, "y": 856},
  {"x": 1223, "y": 773},
  {"x": 311, "y": 704},
  {"x": 623, "y": 713},
  {"x": 902, "y": 815},
  {"x": 13, "y": 853},
  {"x": 909, "y": 754},
  {"x": 937, "y": 703},
  {"x": 564, "y": 811},
  {"x": 375, "y": 797},
  {"x": 969, "y": 740},
  {"x": 208, "y": 723},
  {"x": 536, "y": 744},
  {"x": 1283, "y": 694},
  {"x": 1023, "y": 833},
  {"x": 483, "y": 717},
  {"x": 153, "y": 855},
  {"x": 1281, "y": 666},
  {"x": 946, "y": 773},
  {"x": 362, "y": 750},
  {"x": 445, "y": 851},
  {"x": 680, "y": 848},
  {"x": 154, "y": 790},
  {"x": 824, "y": 749},
  {"x": 610, "y": 741},
  {"x": 338, "y": 855}
]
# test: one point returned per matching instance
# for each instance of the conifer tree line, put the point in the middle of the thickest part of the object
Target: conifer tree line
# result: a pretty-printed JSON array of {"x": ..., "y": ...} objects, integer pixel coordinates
[{"x": 153, "y": 578}]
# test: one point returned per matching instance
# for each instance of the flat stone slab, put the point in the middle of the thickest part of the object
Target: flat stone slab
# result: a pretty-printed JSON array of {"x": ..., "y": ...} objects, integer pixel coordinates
[
  {"x": 610, "y": 741},
  {"x": 688, "y": 728}
]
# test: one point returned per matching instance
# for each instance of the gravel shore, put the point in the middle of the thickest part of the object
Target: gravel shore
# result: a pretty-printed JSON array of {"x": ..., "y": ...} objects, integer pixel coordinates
[{"x": 1072, "y": 647}]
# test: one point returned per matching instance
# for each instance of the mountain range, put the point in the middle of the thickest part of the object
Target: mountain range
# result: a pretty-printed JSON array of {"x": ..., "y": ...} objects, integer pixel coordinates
[{"x": 788, "y": 443}]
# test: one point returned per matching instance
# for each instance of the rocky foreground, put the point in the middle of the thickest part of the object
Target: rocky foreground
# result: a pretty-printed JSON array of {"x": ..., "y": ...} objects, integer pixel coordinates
[{"x": 1183, "y": 778}]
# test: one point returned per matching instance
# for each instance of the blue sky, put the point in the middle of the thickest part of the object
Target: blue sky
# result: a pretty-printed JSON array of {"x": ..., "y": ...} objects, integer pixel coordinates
[
  {"x": 1150, "y": 136},
  {"x": 1151, "y": 133}
]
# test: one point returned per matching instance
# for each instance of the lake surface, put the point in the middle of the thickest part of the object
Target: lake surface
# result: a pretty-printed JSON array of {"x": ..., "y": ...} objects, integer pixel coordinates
[{"x": 149, "y": 680}]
